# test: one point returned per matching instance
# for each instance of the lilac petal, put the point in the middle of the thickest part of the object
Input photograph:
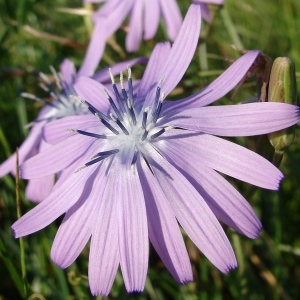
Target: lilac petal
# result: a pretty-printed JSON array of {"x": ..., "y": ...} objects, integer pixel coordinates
[
  {"x": 227, "y": 204},
  {"x": 104, "y": 76},
  {"x": 39, "y": 189},
  {"x": 239, "y": 120},
  {"x": 68, "y": 71},
  {"x": 79, "y": 162},
  {"x": 180, "y": 55},
  {"x": 115, "y": 12},
  {"x": 58, "y": 202},
  {"x": 92, "y": 91},
  {"x": 226, "y": 157},
  {"x": 55, "y": 158},
  {"x": 159, "y": 55},
  {"x": 172, "y": 16},
  {"x": 151, "y": 21},
  {"x": 133, "y": 231},
  {"x": 26, "y": 150},
  {"x": 107, "y": 8},
  {"x": 219, "y": 87},
  {"x": 77, "y": 225},
  {"x": 56, "y": 131},
  {"x": 95, "y": 49},
  {"x": 217, "y": 2},
  {"x": 182, "y": 50},
  {"x": 164, "y": 232},
  {"x": 193, "y": 214},
  {"x": 104, "y": 255},
  {"x": 205, "y": 12},
  {"x": 135, "y": 32}
]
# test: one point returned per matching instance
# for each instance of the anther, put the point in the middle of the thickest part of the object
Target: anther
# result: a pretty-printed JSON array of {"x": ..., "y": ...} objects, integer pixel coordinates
[
  {"x": 135, "y": 156},
  {"x": 113, "y": 105},
  {"x": 98, "y": 159},
  {"x": 158, "y": 109},
  {"x": 90, "y": 107},
  {"x": 145, "y": 135},
  {"x": 145, "y": 115},
  {"x": 33, "y": 97},
  {"x": 95, "y": 135},
  {"x": 120, "y": 124},
  {"x": 130, "y": 88},
  {"x": 106, "y": 153},
  {"x": 119, "y": 100},
  {"x": 57, "y": 79},
  {"x": 45, "y": 77},
  {"x": 160, "y": 132},
  {"x": 131, "y": 111},
  {"x": 157, "y": 95},
  {"x": 122, "y": 86}
]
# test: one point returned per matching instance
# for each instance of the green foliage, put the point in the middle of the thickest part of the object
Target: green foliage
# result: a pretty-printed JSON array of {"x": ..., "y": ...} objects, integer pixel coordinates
[{"x": 34, "y": 34}]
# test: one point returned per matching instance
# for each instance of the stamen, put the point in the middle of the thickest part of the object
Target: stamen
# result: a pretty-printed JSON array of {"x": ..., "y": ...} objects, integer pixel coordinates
[
  {"x": 55, "y": 75},
  {"x": 158, "y": 109},
  {"x": 145, "y": 115},
  {"x": 52, "y": 90},
  {"x": 157, "y": 95},
  {"x": 45, "y": 77},
  {"x": 134, "y": 159},
  {"x": 113, "y": 105},
  {"x": 90, "y": 107},
  {"x": 111, "y": 128},
  {"x": 119, "y": 100},
  {"x": 105, "y": 120},
  {"x": 32, "y": 97},
  {"x": 160, "y": 132},
  {"x": 145, "y": 135},
  {"x": 106, "y": 153},
  {"x": 130, "y": 88},
  {"x": 122, "y": 86},
  {"x": 131, "y": 111},
  {"x": 95, "y": 135},
  {"x": 44, "y": 87},
  {"x": 120, "y": 124},
  {"x": 135, "y": 156},
  {"x": 100, "y": 156},
  {"x": 111, "y": 76}
]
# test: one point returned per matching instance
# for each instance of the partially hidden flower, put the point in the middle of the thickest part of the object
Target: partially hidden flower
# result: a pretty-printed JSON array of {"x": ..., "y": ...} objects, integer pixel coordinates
[
  {"x": 139, "y": 165},
  {"x": 60, "y": 106},
  {"x": 144, "y": 17}
]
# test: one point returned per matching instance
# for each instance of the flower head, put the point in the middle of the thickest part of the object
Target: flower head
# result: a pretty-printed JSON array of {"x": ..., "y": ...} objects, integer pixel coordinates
[
  {"x": 59, "y": 107},
  {"x": 138, "y": 165}
]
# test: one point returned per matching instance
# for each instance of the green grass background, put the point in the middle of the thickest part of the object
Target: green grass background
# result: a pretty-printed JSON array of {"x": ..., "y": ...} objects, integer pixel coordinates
[{"x": 34, "y": 34}]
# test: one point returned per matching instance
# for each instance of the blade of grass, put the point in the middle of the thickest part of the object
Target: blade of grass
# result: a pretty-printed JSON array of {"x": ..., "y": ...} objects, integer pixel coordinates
[
  {"x": 11, "y": 269},
  {"x": 22, "y": 255},
  {"x": 231, "y": 28}
]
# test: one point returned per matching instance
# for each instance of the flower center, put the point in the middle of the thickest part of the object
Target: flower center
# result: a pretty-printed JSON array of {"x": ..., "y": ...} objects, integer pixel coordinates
[
  {"x": 129, "y": 128},
  {"x": 60, "y": 105}
]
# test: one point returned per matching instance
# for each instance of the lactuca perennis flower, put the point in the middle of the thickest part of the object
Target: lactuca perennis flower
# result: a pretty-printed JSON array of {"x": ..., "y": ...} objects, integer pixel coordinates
[{"x": 138, "y": 164}]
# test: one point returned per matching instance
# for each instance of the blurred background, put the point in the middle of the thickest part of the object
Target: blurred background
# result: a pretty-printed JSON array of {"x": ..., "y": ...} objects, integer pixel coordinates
[{"x": 36, "y": 34}]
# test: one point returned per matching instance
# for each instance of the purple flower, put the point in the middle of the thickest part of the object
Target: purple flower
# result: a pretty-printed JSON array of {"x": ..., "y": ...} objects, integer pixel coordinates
[
  {"x": 143, "y": 21},
  {"x": 138, "y": 165},
  {"x": 61, "y": 106},
  {"x": 204, "y": 8}
]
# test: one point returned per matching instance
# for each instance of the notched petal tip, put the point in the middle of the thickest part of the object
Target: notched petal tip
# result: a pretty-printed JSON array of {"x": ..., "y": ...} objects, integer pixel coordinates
[
  {"x": 14, "y": 231},
  {"x": 230, "y": 267}
]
